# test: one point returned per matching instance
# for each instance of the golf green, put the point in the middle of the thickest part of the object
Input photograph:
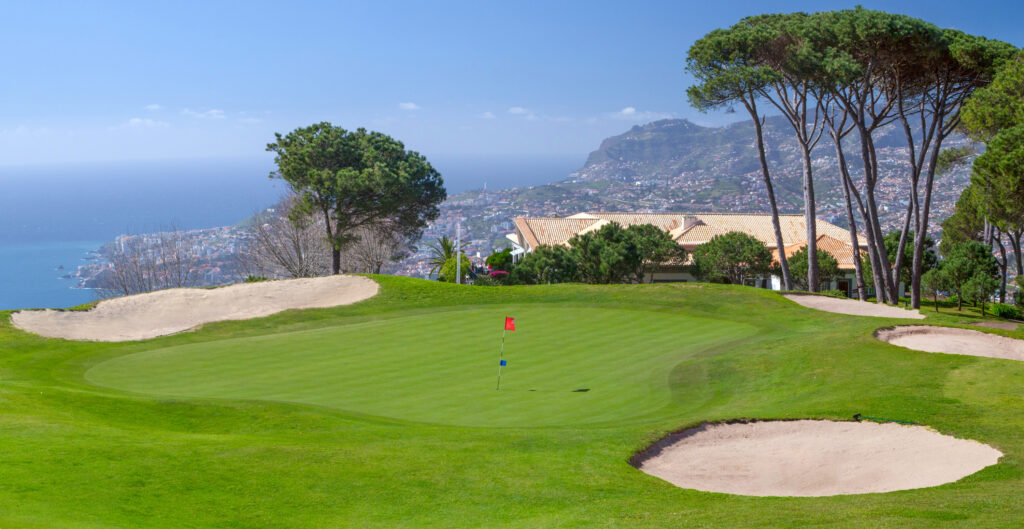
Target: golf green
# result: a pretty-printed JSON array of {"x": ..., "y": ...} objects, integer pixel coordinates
[
  {"x": 384, "y": 414},
  {"x": 566, "y": 365}
]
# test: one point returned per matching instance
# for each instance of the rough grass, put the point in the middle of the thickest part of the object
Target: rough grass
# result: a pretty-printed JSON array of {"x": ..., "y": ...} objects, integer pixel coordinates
[{"x": 384, "y": 414}]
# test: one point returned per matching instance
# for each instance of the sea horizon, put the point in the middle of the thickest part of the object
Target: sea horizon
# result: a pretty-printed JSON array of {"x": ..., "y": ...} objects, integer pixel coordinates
[{"x": 55, "y": 214}]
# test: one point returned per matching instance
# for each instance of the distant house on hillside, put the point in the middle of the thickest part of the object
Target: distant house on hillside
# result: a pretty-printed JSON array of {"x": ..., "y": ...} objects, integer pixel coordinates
[{"x": 693, "y": 229}]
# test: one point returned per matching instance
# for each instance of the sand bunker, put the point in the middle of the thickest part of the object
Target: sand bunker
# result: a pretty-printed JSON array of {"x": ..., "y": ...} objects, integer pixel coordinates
[
  {"x": 852, "y": 306},
  {"x": 953, "y": 340},
  {"x": 169, "y": 311},
  {"x": 813, "y": 458}
]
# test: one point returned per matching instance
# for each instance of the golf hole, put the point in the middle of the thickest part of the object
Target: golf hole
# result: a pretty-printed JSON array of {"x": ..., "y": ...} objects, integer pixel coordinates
[
  {"x": 812, "y": 458},
  {"x": 952, "y": 340}
]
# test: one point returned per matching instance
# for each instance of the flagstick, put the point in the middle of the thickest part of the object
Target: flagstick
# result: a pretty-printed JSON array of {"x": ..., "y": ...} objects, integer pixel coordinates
[{"x": 500, "y": 353}]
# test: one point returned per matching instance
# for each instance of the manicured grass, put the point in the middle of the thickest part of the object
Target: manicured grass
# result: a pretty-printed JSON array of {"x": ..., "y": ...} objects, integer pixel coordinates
[{"x": 384, "y": 413}]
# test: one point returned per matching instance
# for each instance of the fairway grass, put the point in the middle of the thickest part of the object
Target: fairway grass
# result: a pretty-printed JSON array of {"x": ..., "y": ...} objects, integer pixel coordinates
[{"x": 384, "y": 413}]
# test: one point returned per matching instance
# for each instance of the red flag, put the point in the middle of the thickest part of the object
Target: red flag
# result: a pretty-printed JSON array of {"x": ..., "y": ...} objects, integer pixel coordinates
[{"x": 510, "y": 324}]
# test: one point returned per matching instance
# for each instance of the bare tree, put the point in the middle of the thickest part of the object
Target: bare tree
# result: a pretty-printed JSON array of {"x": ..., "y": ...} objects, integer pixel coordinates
[
  {"x": 376, "y": 246},
  {"x": 143, "y": 263},
  {"x": 286, "y": 244}
]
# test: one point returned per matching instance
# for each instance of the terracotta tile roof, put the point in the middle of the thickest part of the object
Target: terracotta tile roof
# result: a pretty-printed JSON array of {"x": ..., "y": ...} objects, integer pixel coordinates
[
  {"x": 691, "y": 229},
  {"x": 535, "y": 232},
  {"x": 841, "y": 250}
]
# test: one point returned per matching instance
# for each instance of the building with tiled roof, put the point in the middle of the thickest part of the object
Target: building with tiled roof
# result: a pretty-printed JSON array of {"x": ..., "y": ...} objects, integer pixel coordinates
[{"x": 693, "y": 229}]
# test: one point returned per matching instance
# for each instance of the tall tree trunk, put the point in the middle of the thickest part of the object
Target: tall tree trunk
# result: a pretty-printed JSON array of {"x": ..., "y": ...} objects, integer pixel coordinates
[
  {"x": 921, "y": 236},
  {"x": 903, "y": 240},
  {"x": 879, "y": 260},
  {"x": 1003, "y": 263},
  {"x": 787, "y": 280},
  {"x": 844, "y": 176},
  {"x": 1014, "y": 237},
  {"x": 810, "y": 218},
  {"x": 332, "y": 240}
]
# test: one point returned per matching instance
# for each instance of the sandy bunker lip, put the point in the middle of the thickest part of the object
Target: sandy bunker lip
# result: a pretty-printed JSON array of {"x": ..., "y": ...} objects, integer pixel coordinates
[
  {"x": 952, "y": 340},
  {"x": 175, "y": 310},
  {"x": 852, "y": 307},
  {"x": 812, "y": 458}
]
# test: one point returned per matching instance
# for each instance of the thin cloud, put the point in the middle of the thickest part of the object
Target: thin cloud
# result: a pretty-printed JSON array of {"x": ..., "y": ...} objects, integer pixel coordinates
[
  {"x": 142, "y": 123},
  {"x": 487, "y": 115},
  {"x": 632, "y": 114},
  {"x": 153, "y": 107},
  {"x": 208, "y": 114},
  {"x": 408, "y": 106},
  {"x": 518, "y": 111}
]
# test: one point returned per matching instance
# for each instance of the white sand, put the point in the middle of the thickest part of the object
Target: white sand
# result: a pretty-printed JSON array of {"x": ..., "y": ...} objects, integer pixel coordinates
[
  {"x": 814, "y": 458},
  {"x": 170, "y": 311},
  {"x": 853, "y": 307},
  {"x": 953, "y": 340}
]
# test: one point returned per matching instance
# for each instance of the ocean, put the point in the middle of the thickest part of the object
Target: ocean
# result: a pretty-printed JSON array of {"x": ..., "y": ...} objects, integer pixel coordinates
[{"x": 52, "y": 216}]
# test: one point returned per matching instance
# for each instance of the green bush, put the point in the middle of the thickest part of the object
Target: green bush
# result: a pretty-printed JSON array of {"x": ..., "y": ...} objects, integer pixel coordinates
[
  {"x": 255, "y": 279},
  {"x": 833, "y": 293},
  {"x": 1003, "y": 310}
]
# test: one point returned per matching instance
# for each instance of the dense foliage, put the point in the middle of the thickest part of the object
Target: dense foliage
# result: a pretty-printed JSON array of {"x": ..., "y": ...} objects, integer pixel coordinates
[
  {"x": 609, "y": 254},
  {"x": 732, "y": 258}
]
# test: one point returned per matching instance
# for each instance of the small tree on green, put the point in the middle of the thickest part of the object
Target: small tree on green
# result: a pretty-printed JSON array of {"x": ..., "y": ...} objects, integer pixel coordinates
[
  {"x": 980, "y": 288},
  {"x": 828, "y": 268},
  {"x": 731, "y": 258},
  {"x": 931, "y": 283},
  {"x": 966, "y": 260}
]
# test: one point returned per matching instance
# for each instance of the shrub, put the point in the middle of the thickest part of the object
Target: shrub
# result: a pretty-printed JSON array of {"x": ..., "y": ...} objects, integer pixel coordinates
[
  {"x": 500, "y": 260},
  {"x": 828, "y": 268},
  {"x": 484, "y": 280},
  {"x": 546, "y": 264},
  {"x": 731, "y": 258},
  {"x": 1008, "y": 312},
  {"x": 833, "y": 293},
  {"x": 255, "y": 279}
]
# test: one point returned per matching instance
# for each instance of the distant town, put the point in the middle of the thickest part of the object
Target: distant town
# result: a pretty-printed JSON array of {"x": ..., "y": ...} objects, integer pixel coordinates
[{"x": 485, "y": 216}]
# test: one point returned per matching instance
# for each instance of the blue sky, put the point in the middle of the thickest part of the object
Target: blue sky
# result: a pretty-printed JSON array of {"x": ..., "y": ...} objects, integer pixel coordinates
[{"x": 97, "y": 81}]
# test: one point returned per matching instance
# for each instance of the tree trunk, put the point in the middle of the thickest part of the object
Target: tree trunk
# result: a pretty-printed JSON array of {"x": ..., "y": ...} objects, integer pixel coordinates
[
  {"x": 921, "y": 236},
  {"x": 844, "y": 176},
  {"x": 873, "y": 232},
  {"x": 1003, "y": 263},
  {"x": 787, "y": 280},
  {"x": 810, "y": 218},
  {"x": 903, "y": 240},
  {"x": 1014, "y": 237}
]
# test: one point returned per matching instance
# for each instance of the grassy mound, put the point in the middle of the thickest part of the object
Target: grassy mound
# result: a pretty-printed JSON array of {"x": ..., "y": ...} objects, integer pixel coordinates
[{"x": 384, "y": 413}]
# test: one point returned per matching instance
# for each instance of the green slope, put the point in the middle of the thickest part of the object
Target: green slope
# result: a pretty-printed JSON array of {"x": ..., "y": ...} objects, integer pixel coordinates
[{"x": 382, "y": 414}]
